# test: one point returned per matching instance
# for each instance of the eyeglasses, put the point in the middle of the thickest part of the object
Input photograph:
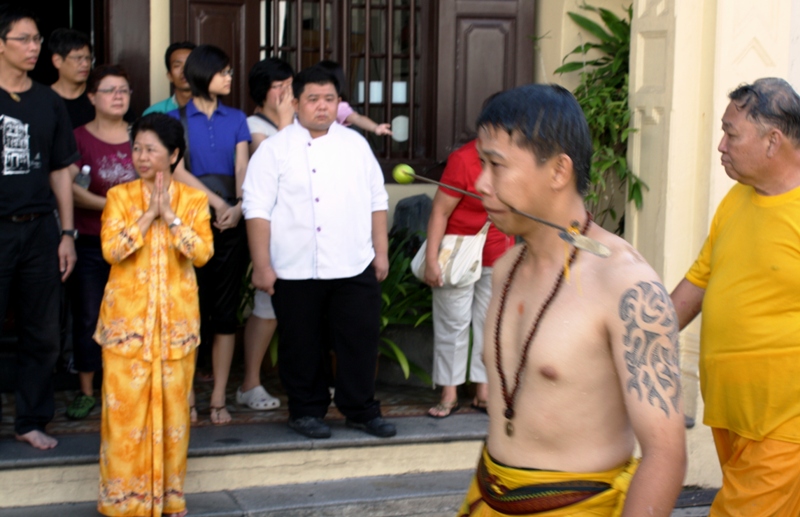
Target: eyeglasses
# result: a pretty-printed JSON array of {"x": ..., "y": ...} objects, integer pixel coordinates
[
  {"x": 114, "y": 91},
  {"x": 228, "y": 72},
  {"x": 26, "y": 39},
  {"x": 82, "y": 59}
]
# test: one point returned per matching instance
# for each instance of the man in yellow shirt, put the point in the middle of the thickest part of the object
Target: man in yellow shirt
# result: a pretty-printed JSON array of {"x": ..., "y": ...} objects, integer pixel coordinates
[{"x": 746, "y": 283}]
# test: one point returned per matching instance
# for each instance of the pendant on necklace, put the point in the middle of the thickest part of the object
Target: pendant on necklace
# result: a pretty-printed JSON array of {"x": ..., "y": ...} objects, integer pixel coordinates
[
  {"x": 509, "y": 428},
  {"x": 14, "y": 96}
]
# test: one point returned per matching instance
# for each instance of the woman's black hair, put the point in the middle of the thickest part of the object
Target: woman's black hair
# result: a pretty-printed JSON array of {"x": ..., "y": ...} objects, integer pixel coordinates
[
  {"x": 202, "y": 65},
  {"x": 168, "y": 130},
  {"x": 314, "y": 74},
  {"x": 99, "y": 73},
  {"x": 264, "y": 73},
  {"x": 338, "y": 72}
]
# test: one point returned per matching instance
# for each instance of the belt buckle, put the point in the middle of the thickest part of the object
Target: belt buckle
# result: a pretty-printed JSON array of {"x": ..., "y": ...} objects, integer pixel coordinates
[{"x": 24, "y": 218}]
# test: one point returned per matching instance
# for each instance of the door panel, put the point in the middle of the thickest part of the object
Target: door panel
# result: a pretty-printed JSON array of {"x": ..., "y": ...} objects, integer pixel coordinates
[
  {"x": 484, "y": 47},
  {"x": 231, "y": 25}
]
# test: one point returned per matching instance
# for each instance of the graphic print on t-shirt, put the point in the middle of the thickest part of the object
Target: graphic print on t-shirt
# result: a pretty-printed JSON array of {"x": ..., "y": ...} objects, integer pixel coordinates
[
  {"x": 16, "y": 146},
  {"x": 115, "y": 169}
]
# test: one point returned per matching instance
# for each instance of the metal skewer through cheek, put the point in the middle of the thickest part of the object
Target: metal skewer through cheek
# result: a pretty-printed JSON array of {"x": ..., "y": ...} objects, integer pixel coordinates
[{"x": 571, "y": 235}]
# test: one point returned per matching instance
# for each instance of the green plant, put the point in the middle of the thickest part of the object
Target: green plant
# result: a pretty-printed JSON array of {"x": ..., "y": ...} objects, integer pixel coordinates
[
  {"x": 404, "y": 300},
  {"x": 603, "y": 95}
]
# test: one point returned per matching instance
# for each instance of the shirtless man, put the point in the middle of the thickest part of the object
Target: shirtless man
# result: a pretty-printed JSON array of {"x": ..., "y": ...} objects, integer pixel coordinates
[{"x": 602, "y": 367}]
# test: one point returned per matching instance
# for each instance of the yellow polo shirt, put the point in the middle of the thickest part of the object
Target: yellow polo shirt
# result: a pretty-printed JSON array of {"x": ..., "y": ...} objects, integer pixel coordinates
[{"x": 750, "y": 337}]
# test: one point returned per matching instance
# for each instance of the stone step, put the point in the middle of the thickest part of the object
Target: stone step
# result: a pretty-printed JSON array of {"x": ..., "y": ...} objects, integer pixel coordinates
[
  {"x": 435, "y": 494},
  {"x": 245, "y": 456}
]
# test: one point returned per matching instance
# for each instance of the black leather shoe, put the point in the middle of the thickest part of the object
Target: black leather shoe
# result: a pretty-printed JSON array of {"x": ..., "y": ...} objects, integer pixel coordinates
[
  {"x": 377, "y": 427},
  {"x": 310, "y": 426}
]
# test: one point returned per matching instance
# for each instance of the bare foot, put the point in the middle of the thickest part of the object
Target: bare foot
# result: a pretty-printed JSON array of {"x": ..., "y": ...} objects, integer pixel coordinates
[
  {"x": 178, "y": 514},
  {"x": 220, "y": 415},
  {"x": 192, "y": 415},
  {"x": 38, "y": 439}
]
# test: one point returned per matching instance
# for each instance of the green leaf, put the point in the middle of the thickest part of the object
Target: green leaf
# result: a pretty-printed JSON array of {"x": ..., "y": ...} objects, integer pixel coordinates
[
  {"x": 591, "y": 27},
  {"x": 420, "y": 373},
  {"x": 569, "y": 67},
  {"x": 619, "y": 28},
  {"x": 422, "y": 319},
  {"x": 394, "y": 352}
]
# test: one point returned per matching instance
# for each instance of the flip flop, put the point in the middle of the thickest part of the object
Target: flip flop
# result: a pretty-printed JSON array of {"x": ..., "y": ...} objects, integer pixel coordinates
[
  {"x": 478, "y": 405},
  {"x": 447, "y": 409},
  {"x": 216, "y": 418}
]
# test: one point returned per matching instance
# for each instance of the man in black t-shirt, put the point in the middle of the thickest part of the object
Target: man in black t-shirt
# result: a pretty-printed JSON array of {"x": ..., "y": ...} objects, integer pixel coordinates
[
  {"x": 72, "y": 57},
  {"x": 37, "y": 147}
]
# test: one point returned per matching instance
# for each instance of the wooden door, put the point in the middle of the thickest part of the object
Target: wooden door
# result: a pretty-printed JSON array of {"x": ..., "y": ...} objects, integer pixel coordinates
[
  {"x": 233, "y": 26},
  {"x": 484, "y": 47}
]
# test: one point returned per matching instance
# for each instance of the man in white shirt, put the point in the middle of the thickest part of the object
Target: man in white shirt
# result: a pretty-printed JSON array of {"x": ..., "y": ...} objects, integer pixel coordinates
[{"x": 316, "y": 209}]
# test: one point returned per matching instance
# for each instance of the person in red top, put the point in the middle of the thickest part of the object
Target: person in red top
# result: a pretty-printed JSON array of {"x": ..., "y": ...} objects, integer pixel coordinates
[
  {"x": 454, "y": 308},
  {"x": 105, "y": 147}
]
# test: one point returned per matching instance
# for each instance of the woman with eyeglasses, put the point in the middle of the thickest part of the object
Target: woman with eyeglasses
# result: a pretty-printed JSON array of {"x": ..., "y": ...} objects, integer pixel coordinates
[
  {"x": 105, "y": 148},
  {"x": 217, "y": 139}
]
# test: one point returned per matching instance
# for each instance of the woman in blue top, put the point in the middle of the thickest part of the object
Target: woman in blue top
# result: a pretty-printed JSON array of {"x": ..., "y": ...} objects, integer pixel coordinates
[{"x": 217, "y": 150}]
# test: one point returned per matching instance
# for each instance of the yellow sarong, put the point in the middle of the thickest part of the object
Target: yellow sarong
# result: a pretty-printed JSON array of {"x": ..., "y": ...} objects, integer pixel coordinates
[
  {"x": 759, "y": 477},
  {"x": 498, "y": 490},
  {"x": 144, "y": 435}
]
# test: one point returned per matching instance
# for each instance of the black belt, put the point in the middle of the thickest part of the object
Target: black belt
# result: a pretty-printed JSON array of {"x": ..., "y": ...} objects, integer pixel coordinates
[{"x": 23, "y": 218}]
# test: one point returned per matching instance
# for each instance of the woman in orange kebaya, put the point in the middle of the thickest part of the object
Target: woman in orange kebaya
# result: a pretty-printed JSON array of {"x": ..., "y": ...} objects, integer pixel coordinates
[{"x": 154, "y": 232}]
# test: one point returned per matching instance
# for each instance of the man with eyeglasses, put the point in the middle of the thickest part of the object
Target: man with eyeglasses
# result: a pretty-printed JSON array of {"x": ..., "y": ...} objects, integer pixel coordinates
[
  {"x": 35, "y": 256},
  {"x": 746, "y": 283},
  {"x": 72, "y": 57}
]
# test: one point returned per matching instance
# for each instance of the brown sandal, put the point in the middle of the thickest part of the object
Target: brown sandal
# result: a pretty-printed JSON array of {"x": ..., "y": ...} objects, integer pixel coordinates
[{"x": 445, "y": 409}]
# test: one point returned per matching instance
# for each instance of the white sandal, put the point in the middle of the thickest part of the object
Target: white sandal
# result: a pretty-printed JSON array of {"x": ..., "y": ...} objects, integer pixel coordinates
[{"x": 257, "y": 398}]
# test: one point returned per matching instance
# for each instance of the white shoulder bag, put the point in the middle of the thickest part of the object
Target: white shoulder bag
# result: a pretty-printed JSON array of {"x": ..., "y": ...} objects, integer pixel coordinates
[{"x": 460, "y": 258}]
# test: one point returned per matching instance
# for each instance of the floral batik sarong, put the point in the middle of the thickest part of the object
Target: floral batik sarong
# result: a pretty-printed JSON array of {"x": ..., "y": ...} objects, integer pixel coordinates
[
  {"x": 498, "y": 490},
  {"x": 144, "y": 434}
]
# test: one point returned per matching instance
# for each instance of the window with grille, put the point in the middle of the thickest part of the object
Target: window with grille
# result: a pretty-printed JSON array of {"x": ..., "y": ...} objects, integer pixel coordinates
[{"x": 387, "y": 49}]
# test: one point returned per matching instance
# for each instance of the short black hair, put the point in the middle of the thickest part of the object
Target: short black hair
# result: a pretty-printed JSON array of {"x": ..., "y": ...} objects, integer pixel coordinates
[
  {"x": 202, "y": 65},
  {"x": 63, "y": 41},
  {"x": 771, "y": 102},
  {"x": 179, "y": 45},
  {"x": 264, "y": 73},
  {"x": 314, "y": 74},
  {"x": 336, "y": 69},
  {"x": 11, "y": 14},
  {"x": 547, "y": 119},
  {"x": 102, "y": 71},
  {"x": 168, "y": 130}
]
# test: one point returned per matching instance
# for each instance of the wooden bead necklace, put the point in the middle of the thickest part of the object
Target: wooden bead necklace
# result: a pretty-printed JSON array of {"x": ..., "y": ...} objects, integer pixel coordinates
[{"x": 510, "y": 398}]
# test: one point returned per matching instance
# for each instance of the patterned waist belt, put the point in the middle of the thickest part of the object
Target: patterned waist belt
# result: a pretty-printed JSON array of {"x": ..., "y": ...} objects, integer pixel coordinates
[{"x": 535, "y": 498}]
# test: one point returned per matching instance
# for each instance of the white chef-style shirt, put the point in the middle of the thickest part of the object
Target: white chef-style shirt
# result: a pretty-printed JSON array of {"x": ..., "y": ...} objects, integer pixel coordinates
[{"x": 319, "y": 195}]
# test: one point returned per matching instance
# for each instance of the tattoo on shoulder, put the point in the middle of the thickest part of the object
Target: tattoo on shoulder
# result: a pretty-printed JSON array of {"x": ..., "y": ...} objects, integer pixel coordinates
[{"x": 651, "y": 345}]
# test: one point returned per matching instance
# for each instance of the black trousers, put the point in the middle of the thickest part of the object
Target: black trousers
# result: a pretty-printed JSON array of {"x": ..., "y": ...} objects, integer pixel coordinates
[
  {"x": 344, "y": 313},
  {"x": 220, "y": 287},
  {"x": 86, "y": 286},
  {"x": 31, "y": 281}
]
